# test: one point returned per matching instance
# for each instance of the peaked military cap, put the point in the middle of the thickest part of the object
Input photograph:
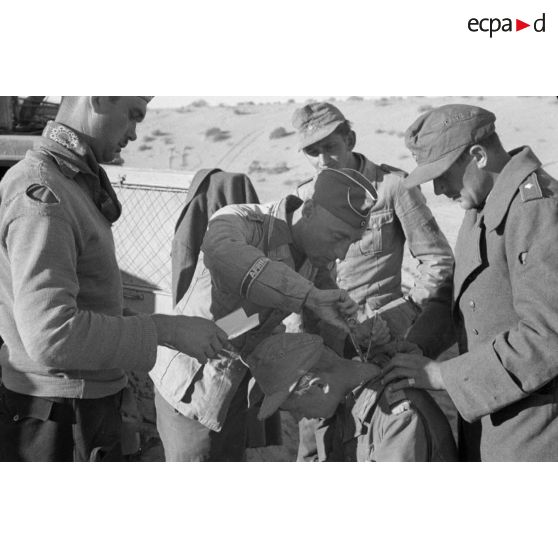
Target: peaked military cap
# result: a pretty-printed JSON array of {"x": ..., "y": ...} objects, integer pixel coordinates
[
  {"x": 347, "y": 194},
  {"x": 316, "y": 121},
  {"x": 439, "y": 137},
  {"x": 279, "y": 362}
]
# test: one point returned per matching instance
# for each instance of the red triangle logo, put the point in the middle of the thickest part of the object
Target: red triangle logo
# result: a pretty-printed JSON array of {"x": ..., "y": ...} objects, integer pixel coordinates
[{"x": 519, "y": 25}]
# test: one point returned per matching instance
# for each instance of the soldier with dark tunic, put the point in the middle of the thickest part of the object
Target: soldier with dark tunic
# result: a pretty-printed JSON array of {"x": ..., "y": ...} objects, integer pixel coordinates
[{"x": 504, "y": 383}]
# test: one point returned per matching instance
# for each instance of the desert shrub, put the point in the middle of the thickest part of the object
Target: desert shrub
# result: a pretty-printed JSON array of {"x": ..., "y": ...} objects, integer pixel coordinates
[
  {"x": 382, "y": 102},
  {"x": 255, "y": 166},
  {"x": 144, "y": 147},
  {"x": 148, "y": 139},
  {"x": 241, "y": 112},
  {"x": 291, "y": 182},
  {"x": 279, "y": 133},
  {"x": 200, "y": 103},
  {"x": 425, "y": 108},
  {"x": 380, "y": 131},
  {"x": 291, "y": 101},
  {"x": 355, "y": 98},
  {"x": 279, "y": 168},
  {"x": 169, "y": 141},
  {"x": 159, "y": 134},
  {"x": 216, "y": 134}
]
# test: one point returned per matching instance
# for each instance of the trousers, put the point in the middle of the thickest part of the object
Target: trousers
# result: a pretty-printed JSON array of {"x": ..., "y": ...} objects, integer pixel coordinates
[
  {"x": 185, "y": 439},
  {"x": 57, "y": 429}
]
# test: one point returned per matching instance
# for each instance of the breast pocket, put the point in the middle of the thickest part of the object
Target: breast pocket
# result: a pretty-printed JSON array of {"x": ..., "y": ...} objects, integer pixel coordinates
[{"x": 377, "y": 236}]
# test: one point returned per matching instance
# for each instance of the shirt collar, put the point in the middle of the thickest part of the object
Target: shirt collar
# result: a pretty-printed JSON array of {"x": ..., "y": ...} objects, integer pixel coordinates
[
  {"x": 280, "y": 231},
  {"x": 72, "y": 154},
  {"x": 522, "y": 164}
]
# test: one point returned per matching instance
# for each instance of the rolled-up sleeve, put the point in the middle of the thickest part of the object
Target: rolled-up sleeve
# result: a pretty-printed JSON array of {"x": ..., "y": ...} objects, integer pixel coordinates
[
  {"x": 237, "y": 265},
  {"x": 427, "y": 244}
]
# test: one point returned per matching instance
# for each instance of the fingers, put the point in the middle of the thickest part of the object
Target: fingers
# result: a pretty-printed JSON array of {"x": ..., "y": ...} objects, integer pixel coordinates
[
  {"x": 403, "y": 360},
  {"x": 222, "y": 336},
  {"x": 400, "y": 378},
  {"x": 394, "y": 375},
  {"x": 338, "y": 323},
  {"x": 348, "y": 307},
  {"x": 345, "y": 302},
  {"x": 201, "y": 358},
  {"x": 402, "y": 384}
]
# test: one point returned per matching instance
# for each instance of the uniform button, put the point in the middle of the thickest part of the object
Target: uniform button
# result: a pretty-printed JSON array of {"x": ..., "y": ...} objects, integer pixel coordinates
[
  {"x": 476, "y": 331},
  {"x": 16, "y": 418},
  {"x": 472, "y": 304}
]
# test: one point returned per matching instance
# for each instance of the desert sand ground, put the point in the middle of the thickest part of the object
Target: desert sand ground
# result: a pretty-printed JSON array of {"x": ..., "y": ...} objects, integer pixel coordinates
[{"x": 247, "y": 138}]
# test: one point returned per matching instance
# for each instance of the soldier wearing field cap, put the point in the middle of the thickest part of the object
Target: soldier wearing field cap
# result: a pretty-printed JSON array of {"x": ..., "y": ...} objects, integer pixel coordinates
[
  {"x": 372, "y": 270},
  {"x": 67, "y": 340},
  {"x": 265, "y": 260},
  {"x": 504, "y": 384},
  {"x": 363, "y": 421}
]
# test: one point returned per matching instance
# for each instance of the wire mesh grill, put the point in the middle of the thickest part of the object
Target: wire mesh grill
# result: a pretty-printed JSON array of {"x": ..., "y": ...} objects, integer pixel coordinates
[{"x": 143, "y": 235}]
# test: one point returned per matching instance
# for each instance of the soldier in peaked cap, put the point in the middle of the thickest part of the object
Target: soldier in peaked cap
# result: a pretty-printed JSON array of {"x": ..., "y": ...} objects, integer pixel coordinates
[
  {"x": 504, "y": 384},
  {"x": 67, "y": 342},
  {"x": 264, "y": 259},
  {"x": 372, "y": 270},
  {"x": 363, "y": 421}
]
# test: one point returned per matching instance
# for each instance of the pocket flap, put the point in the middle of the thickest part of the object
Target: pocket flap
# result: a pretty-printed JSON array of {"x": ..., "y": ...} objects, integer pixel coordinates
[{"x": 21, "y": 406}]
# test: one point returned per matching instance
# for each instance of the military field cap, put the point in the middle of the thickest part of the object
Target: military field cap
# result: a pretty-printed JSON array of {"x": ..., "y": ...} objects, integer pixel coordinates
[
  {"x": 439, "y": 137},
  {"x": 279, "y": 362},
  {"x": 146, "y": 99},
  {"x": 347, "y": 194},
  {"x": 315, "y": 121}
]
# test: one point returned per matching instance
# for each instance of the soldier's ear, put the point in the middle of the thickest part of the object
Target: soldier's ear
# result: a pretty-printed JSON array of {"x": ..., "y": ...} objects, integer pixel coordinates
[
  {"x": 95, "y": 104},
  {"x": 480, "y": 155},
  {"x": 99, "y": 105},
  {"x": 351, "y": 140}
]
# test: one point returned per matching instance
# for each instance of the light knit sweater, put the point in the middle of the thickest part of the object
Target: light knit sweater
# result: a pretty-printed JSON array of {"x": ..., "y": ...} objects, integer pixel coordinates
[{"x": 60, "y": 286}]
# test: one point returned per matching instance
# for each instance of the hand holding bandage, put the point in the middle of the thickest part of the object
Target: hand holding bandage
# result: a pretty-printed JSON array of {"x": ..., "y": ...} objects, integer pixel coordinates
[
  {"x": 373, "y": 333},
  {"x": 332, "y": 306}
]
